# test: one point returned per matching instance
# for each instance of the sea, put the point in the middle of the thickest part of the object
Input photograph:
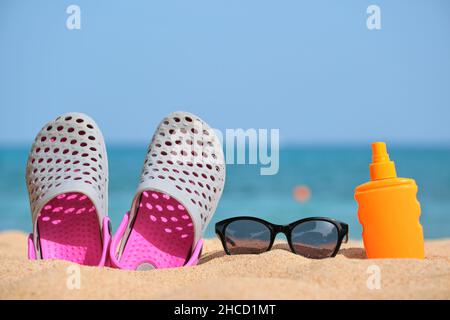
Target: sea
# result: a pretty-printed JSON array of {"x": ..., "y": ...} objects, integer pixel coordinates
[{"x": 329, "y": 173}]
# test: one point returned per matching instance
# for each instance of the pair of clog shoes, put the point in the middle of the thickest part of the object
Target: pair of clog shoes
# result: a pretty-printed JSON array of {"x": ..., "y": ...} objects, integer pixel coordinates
[{"x": 180, "y": 186}]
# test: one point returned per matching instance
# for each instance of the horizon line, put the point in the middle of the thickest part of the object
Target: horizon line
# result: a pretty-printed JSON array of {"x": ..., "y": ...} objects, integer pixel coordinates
[{"x": 283, "y": 145}]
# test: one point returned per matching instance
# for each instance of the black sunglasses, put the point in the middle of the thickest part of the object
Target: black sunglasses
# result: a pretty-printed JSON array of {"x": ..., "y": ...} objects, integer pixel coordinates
[{"x": 315, "y": 238}]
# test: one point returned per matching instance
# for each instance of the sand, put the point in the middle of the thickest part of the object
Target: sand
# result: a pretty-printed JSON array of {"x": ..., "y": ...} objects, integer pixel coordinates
[{"x": 277, "y": 274}]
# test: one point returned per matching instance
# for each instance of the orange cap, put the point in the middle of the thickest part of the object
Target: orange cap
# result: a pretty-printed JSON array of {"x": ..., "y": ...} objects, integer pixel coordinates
[{"x": 381, "y": 167}]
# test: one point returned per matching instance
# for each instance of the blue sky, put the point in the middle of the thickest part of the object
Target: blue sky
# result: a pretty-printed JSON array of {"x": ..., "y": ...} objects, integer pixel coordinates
[{"x": 310, "y": 68}]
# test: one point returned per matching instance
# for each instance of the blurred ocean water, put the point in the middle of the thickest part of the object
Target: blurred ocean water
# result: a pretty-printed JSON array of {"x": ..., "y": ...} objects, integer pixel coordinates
[{"x": 331, "y": 173}]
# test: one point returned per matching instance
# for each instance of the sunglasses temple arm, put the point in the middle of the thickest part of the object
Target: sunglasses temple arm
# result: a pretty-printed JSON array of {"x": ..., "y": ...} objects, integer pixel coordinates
[{"x": 345, "y": 239}]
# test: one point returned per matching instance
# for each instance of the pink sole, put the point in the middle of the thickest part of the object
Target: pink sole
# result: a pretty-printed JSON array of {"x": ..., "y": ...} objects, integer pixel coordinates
[
  {"x": 162, "y": 234},
  {"x": 69, "y": 230}
]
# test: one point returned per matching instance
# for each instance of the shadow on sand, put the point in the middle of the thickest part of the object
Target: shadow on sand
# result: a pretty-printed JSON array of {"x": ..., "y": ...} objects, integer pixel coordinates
[{"x": 350, "y": 253}]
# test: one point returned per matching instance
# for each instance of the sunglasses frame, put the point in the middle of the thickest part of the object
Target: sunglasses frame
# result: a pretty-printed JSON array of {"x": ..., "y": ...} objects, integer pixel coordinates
[{"x": 275, "y": 229}]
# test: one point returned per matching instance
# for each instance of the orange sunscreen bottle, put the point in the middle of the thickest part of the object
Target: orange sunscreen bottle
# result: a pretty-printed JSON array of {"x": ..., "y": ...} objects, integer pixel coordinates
[{"x": 389, "y": 211}]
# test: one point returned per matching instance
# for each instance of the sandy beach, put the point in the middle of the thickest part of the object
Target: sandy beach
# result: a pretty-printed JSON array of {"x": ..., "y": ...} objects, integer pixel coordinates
[{"x": 277, "y": 274}]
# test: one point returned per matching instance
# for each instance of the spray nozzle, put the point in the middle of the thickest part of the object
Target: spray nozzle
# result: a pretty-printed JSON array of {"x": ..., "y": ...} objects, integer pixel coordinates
[{"x": 381, "y": 167}]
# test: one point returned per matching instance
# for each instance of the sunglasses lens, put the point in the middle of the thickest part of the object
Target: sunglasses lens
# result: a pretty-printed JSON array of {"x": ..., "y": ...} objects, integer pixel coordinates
[
  {"x": 247, "y": 237},
  {"x": 315, "y": 239}
]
